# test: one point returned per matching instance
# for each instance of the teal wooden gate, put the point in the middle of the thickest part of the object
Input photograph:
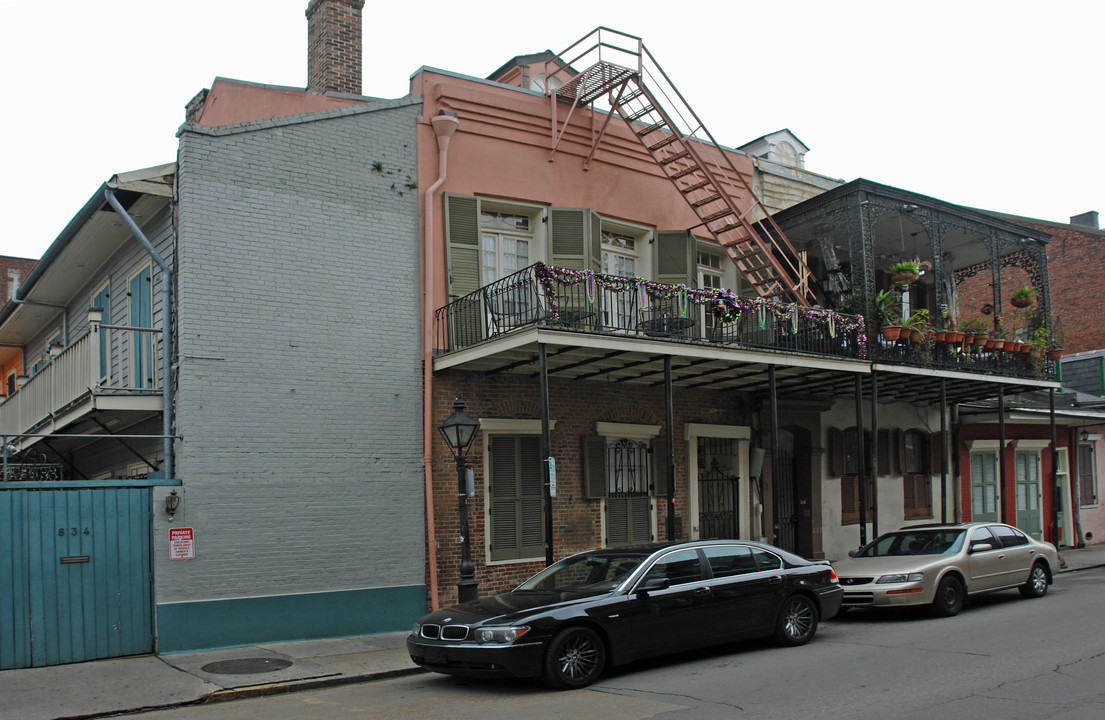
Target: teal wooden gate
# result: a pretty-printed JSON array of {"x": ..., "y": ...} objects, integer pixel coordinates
[{"x": 75, "y": 574}]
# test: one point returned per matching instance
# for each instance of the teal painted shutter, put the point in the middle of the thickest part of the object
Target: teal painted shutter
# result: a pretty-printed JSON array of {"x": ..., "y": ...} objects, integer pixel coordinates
[
  {"x": 575, "y": 239},
  {"x": 594, "y": 467},
  {"x": 462, "y": 244},
  {"x": 103, "y": 301},
  {"x": 674, "y": 256},
  {"x": 517, "y": 501},
  {"x": 141, "y": 315}
]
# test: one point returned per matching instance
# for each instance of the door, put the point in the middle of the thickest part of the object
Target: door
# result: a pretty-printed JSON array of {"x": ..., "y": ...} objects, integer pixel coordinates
[
  {"x": 744, "y": 595},
  {"x": 985, "y": 567},
  {"x": 75, "y": 581},
  {"x": 985, "y": 495},
  {"x": 785, "y": 506},
  {"x": 141, "y": 316},
  {"x": 677, "y": 617},
  {"x": 1029, "y": 516}
]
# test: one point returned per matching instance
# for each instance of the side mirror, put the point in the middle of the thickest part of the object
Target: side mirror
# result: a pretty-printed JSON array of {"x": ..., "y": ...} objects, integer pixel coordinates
[
  {"x": 981, "y": 547},
  {"x": 653, "y": 584}
]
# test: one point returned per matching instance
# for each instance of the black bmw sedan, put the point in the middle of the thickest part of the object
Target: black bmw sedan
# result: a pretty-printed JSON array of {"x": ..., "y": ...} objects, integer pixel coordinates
[{"x": 607, "y": 607}]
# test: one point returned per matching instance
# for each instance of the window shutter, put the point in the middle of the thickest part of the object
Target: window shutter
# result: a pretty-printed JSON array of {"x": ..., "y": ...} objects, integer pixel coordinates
[
  {"x": 884, "y": 452},
  {"x": 899, "y": 436},
  {"x": 849, "y": 499},
  {"x": 594, "y": 467},
  {"x": 575, "y": 241},
  {"x": 504, "y": 498},
  {"x": 674, "y": 255},
  {"x": 658, "y": 467},
  {"x": 532, "y": 501},
  {"x": 1087, "y": 488},
  {"x": 617, "y": 521},
  {"x": 934, "y": 453},
  {"x": 640, "y": 520},
  {"x": 462, "y": 243},
  {"x": 836, "y": 452},
  {"x": 924, "y": 496},
  {"x": 909, "y": 492}
]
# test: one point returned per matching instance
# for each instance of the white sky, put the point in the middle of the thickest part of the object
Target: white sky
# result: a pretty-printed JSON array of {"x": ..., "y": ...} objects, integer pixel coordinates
[{"x": 988, "y": 104}]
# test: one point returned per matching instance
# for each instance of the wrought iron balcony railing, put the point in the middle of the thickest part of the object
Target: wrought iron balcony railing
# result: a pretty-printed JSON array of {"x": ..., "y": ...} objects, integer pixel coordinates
[{"x": 583, "y": 301}]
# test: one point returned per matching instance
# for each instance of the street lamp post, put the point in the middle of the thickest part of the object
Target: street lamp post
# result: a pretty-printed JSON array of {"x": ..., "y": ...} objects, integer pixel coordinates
[{"x": 459, "y": 430}]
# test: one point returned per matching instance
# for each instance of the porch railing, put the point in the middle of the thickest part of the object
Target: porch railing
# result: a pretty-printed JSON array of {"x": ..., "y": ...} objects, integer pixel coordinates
[
  {"x": 129, "y": 363},
  {"x": 584, "y": 301}
]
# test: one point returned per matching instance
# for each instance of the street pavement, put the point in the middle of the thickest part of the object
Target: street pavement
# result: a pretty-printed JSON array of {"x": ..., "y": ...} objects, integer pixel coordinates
[{"x": 107, "y": 687}]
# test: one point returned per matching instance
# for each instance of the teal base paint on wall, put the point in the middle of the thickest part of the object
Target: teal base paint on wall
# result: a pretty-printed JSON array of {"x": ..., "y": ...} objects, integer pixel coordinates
[{"x": 183, "y": 627}]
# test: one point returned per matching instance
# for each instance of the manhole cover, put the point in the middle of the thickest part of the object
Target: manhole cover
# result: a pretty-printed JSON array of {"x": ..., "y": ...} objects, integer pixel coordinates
[{"x": 246, "y": 666}]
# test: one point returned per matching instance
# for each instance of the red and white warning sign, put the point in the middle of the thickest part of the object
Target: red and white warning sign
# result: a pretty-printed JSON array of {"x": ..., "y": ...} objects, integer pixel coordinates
[{"x": 182, "y": 544}]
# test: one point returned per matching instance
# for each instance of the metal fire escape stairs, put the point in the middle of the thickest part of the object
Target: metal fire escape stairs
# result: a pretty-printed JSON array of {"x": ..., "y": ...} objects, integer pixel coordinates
[{"x": 684, "y": 150}]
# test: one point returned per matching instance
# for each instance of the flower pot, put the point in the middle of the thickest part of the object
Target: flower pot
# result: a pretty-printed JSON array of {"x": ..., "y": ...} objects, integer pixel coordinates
[
  {"x": 916, "y": 335},
  {"x": 903, "y": 278},
  {"x": 940, "y": 336},
  {"x": 1022, "y": 301},
  {"x": 990, "y": 344},
  {"x": 1054, "y": 354},
  {"x": 1036, "y": 351},
  {"x": 1024, "y": 348},
  {"x": 955, "y": 336},
  {"x": 892, "y": 332},
  {"x": 980, "y": 340}
]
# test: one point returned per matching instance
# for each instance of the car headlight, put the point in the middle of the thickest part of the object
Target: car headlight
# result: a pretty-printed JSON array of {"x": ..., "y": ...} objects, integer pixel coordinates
[
  {"x": 500, "y": 635},
  {"x": 902, "y": 577},
  {"x": 417, "y": 630}
]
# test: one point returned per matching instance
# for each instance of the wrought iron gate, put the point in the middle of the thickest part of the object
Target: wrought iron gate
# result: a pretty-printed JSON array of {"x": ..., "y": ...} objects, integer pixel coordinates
[
  {"x": 718, "y": 489},
  {"x": 785, "y": 510}
]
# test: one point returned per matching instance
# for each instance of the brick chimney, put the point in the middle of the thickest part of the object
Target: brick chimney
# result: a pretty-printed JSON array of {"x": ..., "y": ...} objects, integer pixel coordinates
[{"x": 334, "y": 46}]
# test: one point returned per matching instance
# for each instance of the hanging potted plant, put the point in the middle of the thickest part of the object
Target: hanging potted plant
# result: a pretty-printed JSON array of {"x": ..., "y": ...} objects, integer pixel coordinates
[
  {"x": 1024, "y": 296},
  {"x": 904, "y": 272}
]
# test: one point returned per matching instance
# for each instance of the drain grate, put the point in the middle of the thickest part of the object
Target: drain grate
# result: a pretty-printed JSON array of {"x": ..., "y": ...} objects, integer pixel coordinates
[{"x": 246, "y": 666}]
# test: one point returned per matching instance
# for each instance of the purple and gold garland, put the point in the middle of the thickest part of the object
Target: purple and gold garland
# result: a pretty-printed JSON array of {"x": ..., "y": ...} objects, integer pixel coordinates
[{"x": 726, "y": 306}]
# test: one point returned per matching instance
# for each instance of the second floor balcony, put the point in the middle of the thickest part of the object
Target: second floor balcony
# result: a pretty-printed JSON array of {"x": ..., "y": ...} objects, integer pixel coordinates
[
  {"x": 110, "y": 376},
  {"x": 626, "y": 323}
]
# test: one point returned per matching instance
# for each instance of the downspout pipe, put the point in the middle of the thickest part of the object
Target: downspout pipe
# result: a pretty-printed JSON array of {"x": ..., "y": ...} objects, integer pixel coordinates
[
  {"x": 166, "y": 326},
  {"x": 445, "y": 124}
]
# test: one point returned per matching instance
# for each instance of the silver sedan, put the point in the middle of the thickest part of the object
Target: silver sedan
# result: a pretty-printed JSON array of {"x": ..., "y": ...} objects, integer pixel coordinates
[{"x": 942, "y": 565}]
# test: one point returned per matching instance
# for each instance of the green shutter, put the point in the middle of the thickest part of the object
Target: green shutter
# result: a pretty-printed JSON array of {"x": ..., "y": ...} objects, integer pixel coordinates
[
  {"x": 575, "y": 240},
  {"x": 640, "y": 520},
  {"x": 674, "y": 256},
  {"x": 462, "y": 244},
  {"x": 517, "y": 501},
  {"x": 594, "y": 467},
  {"x": 617, "y": 521},
  {"x": 658, "y": 462}
]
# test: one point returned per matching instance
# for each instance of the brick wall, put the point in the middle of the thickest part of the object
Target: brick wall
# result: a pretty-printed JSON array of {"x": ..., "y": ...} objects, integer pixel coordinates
[
  {"x": 12, "y": 267},
  {"x": 576, "y": 407},
  {"x": 299, "y": 390},
  {"x": 1076, "y": 262}
]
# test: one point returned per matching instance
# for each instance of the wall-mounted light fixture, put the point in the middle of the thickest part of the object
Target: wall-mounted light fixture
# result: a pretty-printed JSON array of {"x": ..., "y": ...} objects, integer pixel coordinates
[{"x": 172, "y": 503}]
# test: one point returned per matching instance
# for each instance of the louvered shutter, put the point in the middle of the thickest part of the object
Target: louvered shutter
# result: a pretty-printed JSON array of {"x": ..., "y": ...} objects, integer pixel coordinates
[
  {"x": 640, "y": 520},
  {"x": 517, "y": 499},
  {"x": 884, "y": 452},
  {"x": 504, "y": 498},
  {"x": 658, "y": 467},
  {"x": 575, "y": 240},
  {"x": 849, "y": 499},
  {"x": 934, "y": 453},
  {"x": 462, "y": 244},
  {"x": 836, "y": 452},
  {"x": 617, "y": 521},
  {"x": 899, "y": 437},
  {"x": 675, "y": 259},
  {"x": 532, "y": 503},
  {"x": 924, "y": 496},
  {"x": 594, "y": 467}
]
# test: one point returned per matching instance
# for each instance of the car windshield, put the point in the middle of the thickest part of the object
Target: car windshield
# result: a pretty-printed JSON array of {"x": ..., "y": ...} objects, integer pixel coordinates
[
  {"x": 915, "y": 542},
  {"x": 585, "y": 573}
]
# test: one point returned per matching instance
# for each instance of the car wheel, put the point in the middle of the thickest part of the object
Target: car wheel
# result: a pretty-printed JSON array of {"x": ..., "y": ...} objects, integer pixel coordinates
[
  {"x": 1037, "y": 582},
  {"x": 797, "y": 621},
  {"x": 949, "y": 598},
  {"x": 575, "y": 658}
]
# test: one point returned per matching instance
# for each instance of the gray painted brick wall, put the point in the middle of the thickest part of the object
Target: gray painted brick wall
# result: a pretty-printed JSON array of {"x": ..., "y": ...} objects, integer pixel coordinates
[{"x": 300, "y": 387}]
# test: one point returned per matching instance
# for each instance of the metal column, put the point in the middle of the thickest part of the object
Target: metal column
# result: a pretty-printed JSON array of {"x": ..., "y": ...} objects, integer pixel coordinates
[
  {"x": 669, "y": 415},
  {"x": 546, "y": 482},
  {"x": 860, "y": 466},
  {"x": 1001, "y": 453}
]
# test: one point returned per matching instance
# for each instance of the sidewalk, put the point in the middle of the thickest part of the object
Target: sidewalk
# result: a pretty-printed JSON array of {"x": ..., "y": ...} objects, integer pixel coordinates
[{"x": 104, "y": 687}]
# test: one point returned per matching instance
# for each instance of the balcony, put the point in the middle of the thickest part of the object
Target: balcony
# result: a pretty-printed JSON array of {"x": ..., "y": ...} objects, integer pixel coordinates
[
  {"x": 112, "y": 370},
  {"x": 620, "y": 329}
]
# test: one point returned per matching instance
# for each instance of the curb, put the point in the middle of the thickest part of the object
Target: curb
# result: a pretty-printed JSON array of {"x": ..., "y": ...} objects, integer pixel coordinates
[{"x": 248, "y": 691}]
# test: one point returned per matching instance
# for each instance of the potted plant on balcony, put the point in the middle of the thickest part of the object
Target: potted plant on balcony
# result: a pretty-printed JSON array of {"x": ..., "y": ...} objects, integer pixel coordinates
[
  {"x": 904, "y": 272},
  {"x": 888, "y": 306},
  {"x": 918, "y": 325},
  {"x": 1024, "y": 297}
]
